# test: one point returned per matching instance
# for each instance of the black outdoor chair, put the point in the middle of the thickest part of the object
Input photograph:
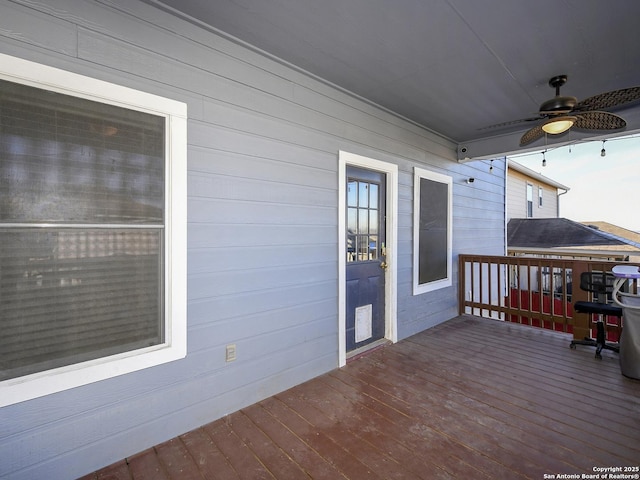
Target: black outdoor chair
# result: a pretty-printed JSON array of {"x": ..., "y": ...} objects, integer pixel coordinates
[{"x": 600, "y": 284}]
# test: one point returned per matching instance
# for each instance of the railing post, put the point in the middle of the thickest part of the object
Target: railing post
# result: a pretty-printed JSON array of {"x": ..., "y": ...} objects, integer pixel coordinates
[
  {"x": 462, "y": 282},
  {"x": 581, "y": 321}
]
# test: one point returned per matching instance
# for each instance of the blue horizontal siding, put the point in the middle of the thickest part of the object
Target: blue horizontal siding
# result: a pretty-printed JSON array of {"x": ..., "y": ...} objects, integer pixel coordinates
[{"x": 263, "y": 144}]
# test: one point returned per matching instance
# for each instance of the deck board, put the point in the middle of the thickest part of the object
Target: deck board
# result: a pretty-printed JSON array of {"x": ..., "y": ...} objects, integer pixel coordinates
[
  {"x": 146, "y": 466},
  {"x": 470, "y": 398},
  {"x": 211, "y": 461}
]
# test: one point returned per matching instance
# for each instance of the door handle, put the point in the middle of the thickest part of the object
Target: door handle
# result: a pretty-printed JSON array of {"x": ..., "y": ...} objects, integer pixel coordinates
[{"x": 383, "y": 265}]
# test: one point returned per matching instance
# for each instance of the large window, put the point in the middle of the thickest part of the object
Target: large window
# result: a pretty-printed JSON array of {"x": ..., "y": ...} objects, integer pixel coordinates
[
  {"x": 432, "y": 227},
  {"x": 91, "y": 186}
]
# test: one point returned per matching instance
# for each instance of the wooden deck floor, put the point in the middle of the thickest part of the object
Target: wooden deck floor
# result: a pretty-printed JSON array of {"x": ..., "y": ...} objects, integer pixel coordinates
[{"x": 469, "y": 399}]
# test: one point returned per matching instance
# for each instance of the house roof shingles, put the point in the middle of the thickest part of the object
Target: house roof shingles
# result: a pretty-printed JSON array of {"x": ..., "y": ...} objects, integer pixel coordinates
[{"x": 556, "y": 232}]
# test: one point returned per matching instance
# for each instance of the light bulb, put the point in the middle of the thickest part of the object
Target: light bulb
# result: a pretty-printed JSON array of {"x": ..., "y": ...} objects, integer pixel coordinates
[{"x": 559, "y": 125}]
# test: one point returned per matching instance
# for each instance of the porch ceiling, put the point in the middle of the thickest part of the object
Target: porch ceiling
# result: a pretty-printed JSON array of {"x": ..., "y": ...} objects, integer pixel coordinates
[{"x": 453, "y": 66}]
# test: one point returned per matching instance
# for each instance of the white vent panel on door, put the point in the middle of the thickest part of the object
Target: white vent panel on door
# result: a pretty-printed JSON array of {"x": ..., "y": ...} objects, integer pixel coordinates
[{"x": 364, "y": 323}]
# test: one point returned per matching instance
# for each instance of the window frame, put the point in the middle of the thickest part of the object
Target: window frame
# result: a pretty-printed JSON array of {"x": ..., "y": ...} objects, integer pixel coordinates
[
  {"x": 420, "y": 288},
  {"x": 174, "y": 347},
  {"x": 540, "y": 196},
  {"x": 529, "y": 200}
]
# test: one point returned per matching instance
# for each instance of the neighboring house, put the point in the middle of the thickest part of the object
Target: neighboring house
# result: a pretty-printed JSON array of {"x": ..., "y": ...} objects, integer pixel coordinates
[
  {"x": 530, "y": 194},
  {"x": 180, "y": 221},
  {"x": 534, "y": 226},
  {"x": 629, "y": 237},
  {"x": 562, "y": 237},
  {"x": 535, "y": 229}
]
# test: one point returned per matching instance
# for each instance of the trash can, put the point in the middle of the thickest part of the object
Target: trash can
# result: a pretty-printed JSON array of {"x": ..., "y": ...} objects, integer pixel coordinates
[
  {"x": 630, "y": 303},
  {"x": 630, "y": 338}
]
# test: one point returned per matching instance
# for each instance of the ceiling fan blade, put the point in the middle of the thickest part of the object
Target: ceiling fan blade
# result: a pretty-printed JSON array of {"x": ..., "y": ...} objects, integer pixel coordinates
[
  {"x": 615, "y": 98},
  {"x": 599, "y": 121},
  {"x": 531, "y": 135},
  {"x": 512, "y": 122}
]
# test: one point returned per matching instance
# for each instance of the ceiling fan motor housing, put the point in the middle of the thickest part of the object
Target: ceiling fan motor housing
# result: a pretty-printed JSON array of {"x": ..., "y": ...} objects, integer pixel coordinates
[{"x": 559, "y": 105}]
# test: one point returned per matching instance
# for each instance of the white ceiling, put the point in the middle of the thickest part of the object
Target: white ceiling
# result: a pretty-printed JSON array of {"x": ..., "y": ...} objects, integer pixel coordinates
[{"x": 453, "y": 66}]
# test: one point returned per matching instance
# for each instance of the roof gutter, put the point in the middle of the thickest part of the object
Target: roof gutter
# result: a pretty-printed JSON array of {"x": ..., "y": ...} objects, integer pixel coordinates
[{"x": 573, "y": 251}]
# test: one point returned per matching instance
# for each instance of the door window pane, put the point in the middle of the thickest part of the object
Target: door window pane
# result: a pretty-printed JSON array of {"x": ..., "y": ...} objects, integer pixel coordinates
[
  {"x": 352, "y": 193},
  {"x": 362, "y": 222},
  {"x": 363, "y": 198},
  {"x": 373, "y": 203},
  {"x": 352, "y": 220},
  {"x": 373, "y": 247},
  {"x": 373, "y": 221}
]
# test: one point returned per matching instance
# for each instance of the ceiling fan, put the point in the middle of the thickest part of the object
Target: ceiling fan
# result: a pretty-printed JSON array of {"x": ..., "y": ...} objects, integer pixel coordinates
[{"x": 561, "y": 113}]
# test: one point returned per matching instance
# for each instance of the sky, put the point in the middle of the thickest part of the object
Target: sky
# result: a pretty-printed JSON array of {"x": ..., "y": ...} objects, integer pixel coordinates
[{"x": 601, "y": 188}]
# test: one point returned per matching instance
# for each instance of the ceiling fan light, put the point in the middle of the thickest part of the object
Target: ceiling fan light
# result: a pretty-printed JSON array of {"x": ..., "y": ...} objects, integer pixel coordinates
[{"x": 559, "y": 125}]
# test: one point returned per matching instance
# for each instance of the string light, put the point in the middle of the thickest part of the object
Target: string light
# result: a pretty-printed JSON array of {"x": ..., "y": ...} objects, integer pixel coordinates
[
  {"x": 491, "y": 167},
  {"x": 544, "y": 160},
  {"x": 603, "y": 151}
]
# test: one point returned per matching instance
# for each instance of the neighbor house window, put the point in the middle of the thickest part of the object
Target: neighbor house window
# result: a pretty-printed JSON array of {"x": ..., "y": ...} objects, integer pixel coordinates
[
  {"x": 432, "y": 227},
  {"x": 540, "y": 191},
  {"x": 529, "y": 200},
  {"x": 91, "y": 183}
]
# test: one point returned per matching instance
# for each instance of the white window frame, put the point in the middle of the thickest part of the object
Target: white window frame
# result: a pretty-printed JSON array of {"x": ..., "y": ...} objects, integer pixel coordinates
[
  {"x": 529, "y": 200},
  {"x": 420, "y": 288},
  {"x": 175, "y": 275}
]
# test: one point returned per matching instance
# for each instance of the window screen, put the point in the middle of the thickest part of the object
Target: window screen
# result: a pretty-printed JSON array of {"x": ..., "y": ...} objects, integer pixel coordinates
[
  {"x": 432, "y": 264},
  {"x": 82, "y": 217},
  {"x": 432, "y": 231}
]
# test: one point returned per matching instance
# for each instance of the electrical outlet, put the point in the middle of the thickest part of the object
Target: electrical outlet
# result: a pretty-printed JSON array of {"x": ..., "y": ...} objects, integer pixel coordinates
[{"x": 230, "y": 353}]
